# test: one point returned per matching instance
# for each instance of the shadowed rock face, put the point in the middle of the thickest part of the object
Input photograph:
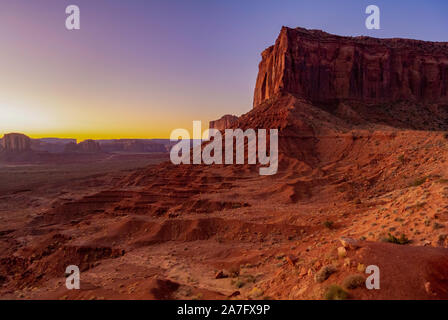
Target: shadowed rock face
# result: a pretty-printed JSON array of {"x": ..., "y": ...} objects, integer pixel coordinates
[
  {"x": 16, "y": 142},
  {"x": 131, "y": 145},
  {"x": 224, "y": 122},
  {"x": 87, "y": 146},
  {"x": 52, "y": 145},
  {"x": 322, "y": 68}
]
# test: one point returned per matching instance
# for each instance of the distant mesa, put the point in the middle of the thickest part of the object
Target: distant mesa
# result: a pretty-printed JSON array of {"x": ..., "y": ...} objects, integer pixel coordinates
[
  {"x": 16, "y": 142},
  {"x": 19, "y": 148},
  {"x": 16, "y": 147},
  {"x": 134, "y": 145},
  {"x": 224, "y": 122},
  {"x": 52, "y": 145},
  {"x": 86, "y": 146}
]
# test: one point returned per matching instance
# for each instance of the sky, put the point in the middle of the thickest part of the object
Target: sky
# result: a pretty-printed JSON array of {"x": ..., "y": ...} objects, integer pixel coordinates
[{"x": 142, "y": 68}]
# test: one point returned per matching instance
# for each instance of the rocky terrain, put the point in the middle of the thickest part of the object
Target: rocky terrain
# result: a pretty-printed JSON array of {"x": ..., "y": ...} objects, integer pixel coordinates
[
  {"x": 362, "y": 180},
  {"x": 224, "y": 122}
]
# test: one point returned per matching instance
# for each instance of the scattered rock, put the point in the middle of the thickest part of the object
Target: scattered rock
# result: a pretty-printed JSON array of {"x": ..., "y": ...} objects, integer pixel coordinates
[
  {"x": 292, "y": 260},
  {"x": 303, "y": 272},
  {"x": 361, "y": 267},
  {"x": 342, "y": 252},
  {"x": 221, "y": 275},
  {"x": 349, "y": 243},
  {"x": 429, "y": 290}
]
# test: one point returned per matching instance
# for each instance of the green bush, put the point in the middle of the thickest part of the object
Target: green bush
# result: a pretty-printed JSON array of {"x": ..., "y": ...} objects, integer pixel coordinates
[
  {"x": 436, "y": 226},
  {"x": 335, "y": 292},
  {"x": 353, "y": 281},
  {"x": 418, "y": 182},
  {"x": 324, "y": 273},
  {"x": 392, "y": 239},
  {"x": 238, "y": 283},
  {"x": 328, "y": 224}
]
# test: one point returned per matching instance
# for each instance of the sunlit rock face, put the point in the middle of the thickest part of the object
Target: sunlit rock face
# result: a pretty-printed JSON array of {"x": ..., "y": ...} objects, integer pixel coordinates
[
  {"x": 224, "y": 122},
  {"x": 321, "y": 68}
]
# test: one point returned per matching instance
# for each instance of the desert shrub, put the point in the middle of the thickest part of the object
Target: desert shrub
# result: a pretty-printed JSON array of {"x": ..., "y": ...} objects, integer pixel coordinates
[
  {"x": 197, "y": 296},
  {"x": 234, "y": 271},
  {"x": 418, "y": 182},
  {"x": 353, "y": 281},
  {"x": 251, "y": 278},
  {"x": 237, "y": 283},
  {"x": 255, "y": 292},
  {"x": 335, "y": 292},
  {"x": 437, "y": 225},
  {"x": 324, "y": 273},
  {"x": 328, "y": 224},
  {"x": 392, "y": 239},
  {"x": 401, "y": 158}
]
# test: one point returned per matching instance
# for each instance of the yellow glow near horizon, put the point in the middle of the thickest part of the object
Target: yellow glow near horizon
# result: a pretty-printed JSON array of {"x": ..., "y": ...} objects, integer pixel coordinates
[
  {"x": 87, "y": 123},
  {"x": 42, "y": 116}
]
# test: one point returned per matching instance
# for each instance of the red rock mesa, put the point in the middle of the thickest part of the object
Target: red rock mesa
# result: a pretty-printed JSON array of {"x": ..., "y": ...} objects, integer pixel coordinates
[{"x": 321, "y": 67}]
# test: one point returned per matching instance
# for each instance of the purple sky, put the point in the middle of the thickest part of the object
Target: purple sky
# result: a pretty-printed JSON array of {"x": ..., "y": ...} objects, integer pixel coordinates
[{"x": 141, "y": 68}]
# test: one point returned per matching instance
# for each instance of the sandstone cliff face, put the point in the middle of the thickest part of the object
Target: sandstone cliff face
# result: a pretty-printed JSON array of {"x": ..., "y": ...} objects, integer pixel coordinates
[
  {"x": 321, "y": 67},
  {"x": 16, "y": 142},
  {"x": 224, "y": 122}
]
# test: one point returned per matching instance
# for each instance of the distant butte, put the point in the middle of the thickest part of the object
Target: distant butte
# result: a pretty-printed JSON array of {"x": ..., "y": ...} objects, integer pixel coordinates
[
  {"x": 86, "y": 146},
  {"x": 16, "y": 142}
]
